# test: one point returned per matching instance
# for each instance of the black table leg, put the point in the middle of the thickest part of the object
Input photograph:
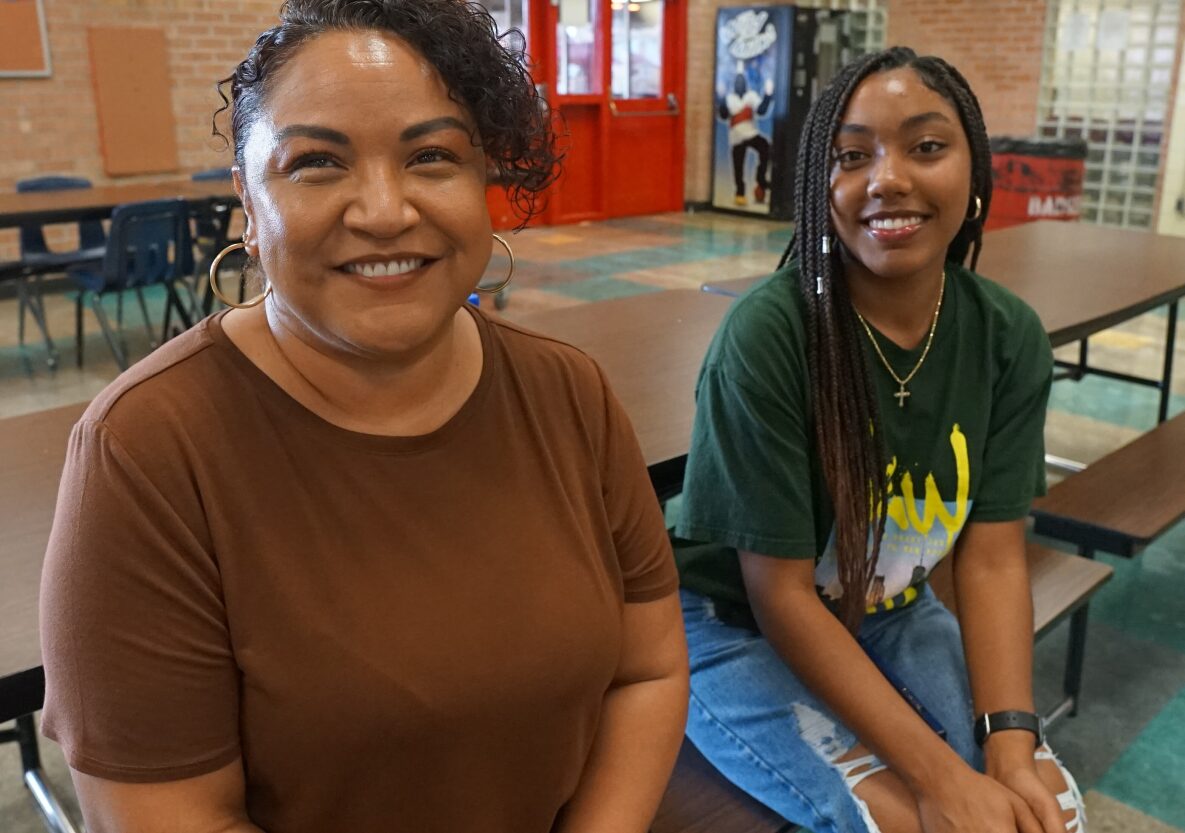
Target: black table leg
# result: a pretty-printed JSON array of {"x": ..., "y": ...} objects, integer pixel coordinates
[{"x": 1166, "y": 379}]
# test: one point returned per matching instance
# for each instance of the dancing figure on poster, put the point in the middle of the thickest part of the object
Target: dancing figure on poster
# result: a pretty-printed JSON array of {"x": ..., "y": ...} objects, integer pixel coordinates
[{"x": 741, "y": 108}]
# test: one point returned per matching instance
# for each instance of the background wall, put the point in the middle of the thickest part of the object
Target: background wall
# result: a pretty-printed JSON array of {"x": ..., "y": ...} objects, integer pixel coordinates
[
  {"x": 1171, "y": 221},
  {"x": 49, "y": 124},
  {"x": 995, "y": 43}
]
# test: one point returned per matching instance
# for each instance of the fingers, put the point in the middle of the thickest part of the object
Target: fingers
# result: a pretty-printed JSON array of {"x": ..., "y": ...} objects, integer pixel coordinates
[
  {"x": 1050, "y": 813},
  {"x": 1026, "y": 821}
]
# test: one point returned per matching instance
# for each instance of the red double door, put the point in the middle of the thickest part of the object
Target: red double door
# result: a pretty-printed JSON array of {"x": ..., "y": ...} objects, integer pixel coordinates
[{"x": 614, "y": 71}]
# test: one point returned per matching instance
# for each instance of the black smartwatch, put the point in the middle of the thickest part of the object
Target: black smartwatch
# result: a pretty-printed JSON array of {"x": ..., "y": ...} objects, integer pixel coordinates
[{"x": 999, "y": 721}]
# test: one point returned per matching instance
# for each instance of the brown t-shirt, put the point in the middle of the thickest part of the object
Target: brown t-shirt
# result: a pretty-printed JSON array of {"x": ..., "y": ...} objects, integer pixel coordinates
[{"x": 395, "y": 633}]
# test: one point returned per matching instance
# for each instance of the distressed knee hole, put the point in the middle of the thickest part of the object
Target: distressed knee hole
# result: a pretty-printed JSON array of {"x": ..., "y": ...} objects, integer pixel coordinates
[{"x": 856, "y": 765}]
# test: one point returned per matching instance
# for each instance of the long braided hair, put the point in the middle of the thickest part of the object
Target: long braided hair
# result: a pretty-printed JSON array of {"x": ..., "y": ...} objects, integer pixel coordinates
[{"x": 843, "y": 395}]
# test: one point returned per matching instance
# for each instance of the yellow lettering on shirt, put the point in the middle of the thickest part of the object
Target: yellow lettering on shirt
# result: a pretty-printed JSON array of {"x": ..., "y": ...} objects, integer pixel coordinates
[{"x": 903, "y": 508}]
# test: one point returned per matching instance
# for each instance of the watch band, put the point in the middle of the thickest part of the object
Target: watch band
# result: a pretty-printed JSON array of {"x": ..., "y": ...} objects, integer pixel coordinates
[{"x": 1000, "y": 721}]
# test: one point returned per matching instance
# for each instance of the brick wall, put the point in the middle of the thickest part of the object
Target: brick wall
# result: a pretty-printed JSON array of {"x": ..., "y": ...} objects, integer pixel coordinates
[
  {"x": 49, "y": 124},
  {"x": 50, "y": 127},
  {"x": 995, "y": 43}
]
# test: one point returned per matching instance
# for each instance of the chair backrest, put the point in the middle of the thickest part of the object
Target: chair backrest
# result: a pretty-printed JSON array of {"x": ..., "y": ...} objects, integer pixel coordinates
[
  {"x": 210, "y": 221},
  {"x": 149, "y": 243},
  {"x": 90, "y": 232},
  {"x": 211, "y": 175}
]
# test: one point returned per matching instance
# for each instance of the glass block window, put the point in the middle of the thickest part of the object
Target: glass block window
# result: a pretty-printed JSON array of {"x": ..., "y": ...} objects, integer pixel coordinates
[
  {"x": 865, "y": 26},
  {"x": 1106, "y": 77}
]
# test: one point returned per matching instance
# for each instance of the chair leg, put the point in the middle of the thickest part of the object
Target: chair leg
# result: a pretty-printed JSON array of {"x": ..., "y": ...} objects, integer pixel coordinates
[
  {"x": 194, "y": 304},
  {"x": 22, "y": 302},
  {"x": 108, "y": 334},
  {"x": 167, "y": 324},
  {"x": 78, "y": 339},
  {"x": 33, "y": 303},
  {"x": 175, "y": 300},
  {"x": 152, "y": 342}
]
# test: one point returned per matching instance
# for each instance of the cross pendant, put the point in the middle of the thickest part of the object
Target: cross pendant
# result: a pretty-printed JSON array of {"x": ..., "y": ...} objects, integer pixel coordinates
[{"x": 901, "y": 396}]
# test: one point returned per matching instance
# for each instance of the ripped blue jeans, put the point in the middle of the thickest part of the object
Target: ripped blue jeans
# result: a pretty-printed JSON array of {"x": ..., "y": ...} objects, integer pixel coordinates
[{"x": 768, "y": 734}]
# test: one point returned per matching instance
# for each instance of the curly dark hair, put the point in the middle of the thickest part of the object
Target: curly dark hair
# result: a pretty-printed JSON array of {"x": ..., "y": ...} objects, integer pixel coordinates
[
  {"x": 843, "y": 392},
  {"x": 483, "y": 71}
]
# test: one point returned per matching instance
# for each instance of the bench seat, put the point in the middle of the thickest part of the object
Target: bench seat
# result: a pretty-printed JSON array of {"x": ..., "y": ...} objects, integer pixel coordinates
[
  {"x": 1125, "y": 500},
  {"x": 700, "y": 800}
]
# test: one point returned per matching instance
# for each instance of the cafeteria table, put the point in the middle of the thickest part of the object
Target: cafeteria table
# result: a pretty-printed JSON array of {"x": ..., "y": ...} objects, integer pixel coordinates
[
  {"x": 650, "y": 347},
  {"x": 1081, "y": 279},
  {"x": 77, "y": 204},
  {"x": 72, "y": 205},
  {"x": 32, "y": 448}
]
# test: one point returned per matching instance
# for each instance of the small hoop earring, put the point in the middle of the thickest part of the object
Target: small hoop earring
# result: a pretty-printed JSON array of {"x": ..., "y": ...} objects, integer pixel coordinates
[
  {"x": 491, "y": 290},
  {"x": 978, "y": 210},
  {"x": 254, "y": 302}
]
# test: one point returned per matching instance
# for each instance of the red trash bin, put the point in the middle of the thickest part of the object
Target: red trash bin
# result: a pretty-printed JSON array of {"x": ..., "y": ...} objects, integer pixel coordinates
[{"x": 1036, "y": 179}]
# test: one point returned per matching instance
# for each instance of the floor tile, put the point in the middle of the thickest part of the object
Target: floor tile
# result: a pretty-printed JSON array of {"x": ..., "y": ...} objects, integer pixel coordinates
[
  {"x": 601, "y": 288},
  {"x": 1126, "y": 683},
  {"x": 1150, "y": 775},
  {"x": 1145, "y": 597},
  {"x": 1109, "y": 400},
  {"x": 1106, "y": 815}
]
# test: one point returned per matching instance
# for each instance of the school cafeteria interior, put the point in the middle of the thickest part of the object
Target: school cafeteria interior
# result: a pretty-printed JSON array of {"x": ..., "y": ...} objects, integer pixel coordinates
[{"x": 656, "y": 225}]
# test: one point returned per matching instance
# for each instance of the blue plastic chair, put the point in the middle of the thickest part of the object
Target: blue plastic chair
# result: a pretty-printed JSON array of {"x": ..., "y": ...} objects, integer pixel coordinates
[
  {"x": 149, "y": 244},
  {"x": 39, "y": 259},
  {"x": 211, "y": 224}
]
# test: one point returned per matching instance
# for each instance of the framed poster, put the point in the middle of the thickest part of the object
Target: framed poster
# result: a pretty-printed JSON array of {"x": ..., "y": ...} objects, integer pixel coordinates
[{"x": 24, "y": 42}]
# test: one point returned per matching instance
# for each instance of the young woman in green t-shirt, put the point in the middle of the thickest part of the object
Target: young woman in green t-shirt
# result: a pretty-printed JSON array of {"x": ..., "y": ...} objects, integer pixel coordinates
[{"x": 874, "y": 370}]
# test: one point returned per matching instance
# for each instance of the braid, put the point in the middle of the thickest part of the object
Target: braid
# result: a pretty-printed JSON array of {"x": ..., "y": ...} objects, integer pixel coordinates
[{"x": 842, "y": 386}]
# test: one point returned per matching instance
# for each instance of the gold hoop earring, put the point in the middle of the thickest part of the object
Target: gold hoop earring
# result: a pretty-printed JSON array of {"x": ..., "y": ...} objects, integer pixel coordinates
[
  {"x": 254, "y": 302},
  {"x": 978, "y": 210},
  {"x": 491, "y": 290}
]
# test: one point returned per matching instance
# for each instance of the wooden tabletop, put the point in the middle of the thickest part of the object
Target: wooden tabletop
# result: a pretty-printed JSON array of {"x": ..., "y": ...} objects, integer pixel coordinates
[
  {"x": 651, "y": 347},
  {"x": 1081, "y": 279},
  {"x": 33, "y": 448},
  {"x": 97, "y": 203}
]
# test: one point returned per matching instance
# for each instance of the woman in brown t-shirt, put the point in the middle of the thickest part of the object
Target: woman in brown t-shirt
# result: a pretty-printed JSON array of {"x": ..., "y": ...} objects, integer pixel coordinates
[{"x": 358, "y": 557}]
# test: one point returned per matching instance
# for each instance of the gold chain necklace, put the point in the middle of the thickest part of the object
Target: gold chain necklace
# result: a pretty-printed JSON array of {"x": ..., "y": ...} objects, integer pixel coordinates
[{"x": 902, "y": 393}]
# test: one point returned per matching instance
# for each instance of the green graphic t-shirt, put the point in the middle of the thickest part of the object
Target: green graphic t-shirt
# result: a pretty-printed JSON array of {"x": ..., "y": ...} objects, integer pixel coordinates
[{"x": 967, "y": 445}]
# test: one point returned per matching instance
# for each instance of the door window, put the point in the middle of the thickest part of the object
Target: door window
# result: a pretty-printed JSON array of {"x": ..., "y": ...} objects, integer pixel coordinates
[
  {"x": 578, "y": 64},
  {"x": 508, "y": 14},
  {"x": 637, "y": 48}
]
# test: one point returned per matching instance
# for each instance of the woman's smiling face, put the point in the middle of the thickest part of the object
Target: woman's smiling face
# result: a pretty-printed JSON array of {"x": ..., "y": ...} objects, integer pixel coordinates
[
  {"x": 901, "y": 178},
  {"x": 364, "y": 187}
]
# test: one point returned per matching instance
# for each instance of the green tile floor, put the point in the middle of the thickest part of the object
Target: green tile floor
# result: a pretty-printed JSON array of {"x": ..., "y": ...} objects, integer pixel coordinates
[{"x": 1127, "y": 746}]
